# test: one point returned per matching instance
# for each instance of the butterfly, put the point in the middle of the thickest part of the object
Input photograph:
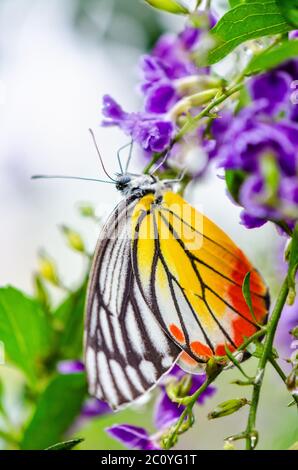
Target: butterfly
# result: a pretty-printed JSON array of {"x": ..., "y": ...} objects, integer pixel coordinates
[{"x": 165, "y": 286}]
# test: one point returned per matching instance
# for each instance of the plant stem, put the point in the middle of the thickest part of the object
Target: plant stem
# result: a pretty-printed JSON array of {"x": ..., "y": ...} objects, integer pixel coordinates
[{"x": 265, "y": 357}]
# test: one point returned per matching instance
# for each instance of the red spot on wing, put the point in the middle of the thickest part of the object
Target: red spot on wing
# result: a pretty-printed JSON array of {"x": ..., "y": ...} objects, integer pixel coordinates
[
  {"x": 177, "y": 333},
  {"x": 221, "y": 351},
  {"x": 241, "y": 328},
  {"x": 184, "y": 357},
  {"x": 200, "y": 349}
]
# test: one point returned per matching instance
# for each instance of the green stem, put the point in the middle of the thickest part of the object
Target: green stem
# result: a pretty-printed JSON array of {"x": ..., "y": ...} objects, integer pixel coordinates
[{"x": 265, "y": 357}]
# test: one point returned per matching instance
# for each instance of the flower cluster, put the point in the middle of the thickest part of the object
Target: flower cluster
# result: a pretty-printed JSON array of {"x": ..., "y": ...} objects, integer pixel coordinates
[
  {"x": 172, "y": 84},
  {"x": 261, "y": 141}
]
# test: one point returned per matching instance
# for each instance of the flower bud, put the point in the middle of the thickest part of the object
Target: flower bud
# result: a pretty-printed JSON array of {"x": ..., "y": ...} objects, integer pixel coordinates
[
  {"x": 292, "y": 381},
  {"x": 294, "y": 332},
  {"x": 212, "y": 367},
  {"x": 171, "y": 6},
  {"x": 47, "y": 269},
  {"x": 86, "y": 210},
  {"x": 228, "y": 445},
  {"x": 74, "y": 239},
  {"x": 185, "y": 385},
  {"x": 228, "y": 407},
  {"x": 195, "y": 83},
  {"x": 40, "y": 290},
  {"x": 192, "y": 101}
]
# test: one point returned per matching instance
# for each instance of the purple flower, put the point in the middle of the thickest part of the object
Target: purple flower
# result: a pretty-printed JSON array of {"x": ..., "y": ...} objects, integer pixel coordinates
[
  {"x": 293, "y": 34},
  {"x": 160, "y": 98},
  {"x": 165, "y": 415},
  {"x": 284, "y": 340},
  {"x": 275, "y": 88},
  {"x": 152, "y": 133},
  {"x": 132, "y": 437},
  {"x": 94, "y": 407},
  {"x": 70, "y": 367}
]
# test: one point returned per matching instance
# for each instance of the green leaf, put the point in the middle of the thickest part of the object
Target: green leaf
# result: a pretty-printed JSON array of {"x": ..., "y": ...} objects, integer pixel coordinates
[
  {"x": 56, "y": 410},
  {"x": 247, "y": 21},
  {"x": 271, "y": 58},
  {"x": 69, "y": 321},
  {"x": 66, "y": 445},
  {"x": 234, "y": 181},
  {"x": 171, "y": 6},
  {"x": 289, "y": 9},
  {"x": 235, "y": 3},
  {"x": 247, "y": 295},
  {"x": 24, "y": 330}
]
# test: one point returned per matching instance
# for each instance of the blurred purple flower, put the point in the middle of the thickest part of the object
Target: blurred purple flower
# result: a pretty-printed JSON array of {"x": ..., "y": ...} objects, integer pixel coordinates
[
  {"x": 275, "y": 88},
  {"x": 284, "y": 340},
  {"x": 151, "y": 132},
  {"x": 70, "y": 367},
  {"x": 293, "y": 34},
  {"x": 132, "y": 437},
  {"x": 165, "y": 415},
  {"x": 94, "y": 407}
]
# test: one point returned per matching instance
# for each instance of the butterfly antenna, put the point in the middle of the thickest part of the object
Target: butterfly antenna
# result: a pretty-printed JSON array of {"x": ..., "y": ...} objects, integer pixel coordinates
[
  {"x": 99, "y": 155},
  {"x": 159, "y": 164},
  {"x": 38, "y": 177},
  {"x": 129, "y": 156}
]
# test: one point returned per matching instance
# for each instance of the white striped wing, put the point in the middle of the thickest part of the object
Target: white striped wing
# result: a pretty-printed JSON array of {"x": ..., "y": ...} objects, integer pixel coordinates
[{"x": 126, "y": 351}]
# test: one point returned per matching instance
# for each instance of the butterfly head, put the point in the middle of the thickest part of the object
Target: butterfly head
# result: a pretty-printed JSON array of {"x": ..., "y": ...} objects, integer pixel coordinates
[{"x": 139, "y": 185}]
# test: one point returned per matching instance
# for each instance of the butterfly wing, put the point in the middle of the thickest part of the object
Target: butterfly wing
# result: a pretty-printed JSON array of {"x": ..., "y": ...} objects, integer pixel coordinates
[
  {"x": 126, "y": 351},
  {"x": 191, "y": 274}
]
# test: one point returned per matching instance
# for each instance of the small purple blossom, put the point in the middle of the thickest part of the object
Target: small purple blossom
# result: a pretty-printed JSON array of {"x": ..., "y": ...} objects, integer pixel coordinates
[
  {"x": 132, "y": 437},
  {"x": 152, "y": 133},
  {"x": 275, "y": 88},
  {"x": 94, "y": 407},
  {"x": 285, "y": 341},
  {"x": 70, "y": 367}
]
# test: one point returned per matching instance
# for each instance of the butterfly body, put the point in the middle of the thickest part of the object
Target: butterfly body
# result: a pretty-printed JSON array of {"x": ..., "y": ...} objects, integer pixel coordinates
[{"x": 166, "y": 284}]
